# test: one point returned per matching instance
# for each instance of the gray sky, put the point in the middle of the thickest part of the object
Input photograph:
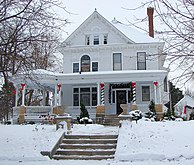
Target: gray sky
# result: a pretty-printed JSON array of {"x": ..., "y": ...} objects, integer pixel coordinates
[{"x": 82, "y": 9}]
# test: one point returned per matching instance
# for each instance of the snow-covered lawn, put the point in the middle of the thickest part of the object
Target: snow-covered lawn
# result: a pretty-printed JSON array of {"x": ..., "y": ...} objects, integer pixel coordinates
[{"x": 145, "y": 143}]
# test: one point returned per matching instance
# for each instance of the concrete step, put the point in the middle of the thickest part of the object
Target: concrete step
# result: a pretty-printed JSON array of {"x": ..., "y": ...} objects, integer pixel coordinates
[
  {"x": 111, "y": 120},
  {"x": 91, "y": 136},
  {"x": 84, "y": 152},
  {"x": 87, "y": 146},
  {"x": 89, "y": 141},
  {"x": 76, "y": 157}
]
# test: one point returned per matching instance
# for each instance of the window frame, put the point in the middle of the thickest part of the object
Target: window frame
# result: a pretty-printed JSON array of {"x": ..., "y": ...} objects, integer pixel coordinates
[
  {"x": 96, "y": 40},
  {"x": 93, "y": 70},
  {"x": 82, "y": 65},
  {"x": 120, "y": 67},
  {"x": 92, "y": 94},
  {"x": 142, "y": 97},
  {"x": 139, "y": 67},
  {"x": 74, "y": 69}
]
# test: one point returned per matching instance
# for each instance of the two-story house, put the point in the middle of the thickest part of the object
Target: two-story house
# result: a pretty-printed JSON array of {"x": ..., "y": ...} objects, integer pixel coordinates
[{"x": 108, "y": 64}]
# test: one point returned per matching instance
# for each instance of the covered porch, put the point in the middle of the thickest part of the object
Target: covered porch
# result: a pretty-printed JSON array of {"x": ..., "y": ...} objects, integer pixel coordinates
[{"x": 112, "y": 89}]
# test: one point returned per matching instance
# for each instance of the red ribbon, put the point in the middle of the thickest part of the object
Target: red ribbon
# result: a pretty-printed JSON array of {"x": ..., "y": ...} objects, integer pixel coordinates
[
  {"x": 59, "y": 87},
  {"x": 23, "y": 85},
  {"x": 133, "y": 84},
  {"x": 101, "y": 85},
  {"x": 155, "y": 83}
]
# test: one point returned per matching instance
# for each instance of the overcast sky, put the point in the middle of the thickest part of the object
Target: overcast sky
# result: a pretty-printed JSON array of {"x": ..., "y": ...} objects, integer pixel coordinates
[{"x": 109, "y": 9}]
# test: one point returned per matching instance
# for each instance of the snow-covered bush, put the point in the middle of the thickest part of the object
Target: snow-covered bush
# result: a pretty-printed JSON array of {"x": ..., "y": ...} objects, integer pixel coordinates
[{"x": 135, "y": 115}]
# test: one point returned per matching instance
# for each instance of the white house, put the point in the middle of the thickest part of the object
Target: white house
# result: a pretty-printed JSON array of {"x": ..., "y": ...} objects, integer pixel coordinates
[
  {"x": 107, "y": 64},
  {"x": 185, "y": 106}
]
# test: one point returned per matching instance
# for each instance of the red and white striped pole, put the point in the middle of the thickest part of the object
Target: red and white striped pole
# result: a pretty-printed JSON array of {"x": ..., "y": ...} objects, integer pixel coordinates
[
  {"x": 134, "y": 92},
  {"x": 102, "y": 93}
]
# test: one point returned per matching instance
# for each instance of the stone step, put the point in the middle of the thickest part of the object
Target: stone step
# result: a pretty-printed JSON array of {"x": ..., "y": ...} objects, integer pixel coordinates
[
  {"x": 87, "y": 146},
  {"x": 84, "y": 152},
  {"x": 91, "y": 136},
  {"x": 89, "y": 141},
  {"x": 76, "y": 157}
]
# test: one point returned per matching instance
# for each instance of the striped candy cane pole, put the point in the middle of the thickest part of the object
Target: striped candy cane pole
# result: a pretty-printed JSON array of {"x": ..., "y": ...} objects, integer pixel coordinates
[
  {"x": 134, "y": 92},
  {"x": 102, "y": 93}
]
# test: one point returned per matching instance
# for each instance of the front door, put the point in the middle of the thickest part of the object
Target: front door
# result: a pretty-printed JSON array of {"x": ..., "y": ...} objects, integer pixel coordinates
[{"x": 121, "y": 99}]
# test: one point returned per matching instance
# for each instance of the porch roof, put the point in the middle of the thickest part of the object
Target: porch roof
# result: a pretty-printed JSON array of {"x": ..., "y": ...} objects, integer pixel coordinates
[{"x": 43, "y": 78}]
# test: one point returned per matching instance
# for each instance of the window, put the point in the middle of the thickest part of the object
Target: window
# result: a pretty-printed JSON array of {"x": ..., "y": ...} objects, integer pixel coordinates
[
  {"x": 94, "y": 66},
  {"x": 141, "y": 60},
  {"x": 87, "y": 40},
  {"x": 145, "y": 93},
  {"x": 75, "y": 67},
  {"x": 85, "y": 63},
  {"x": 113, "y": 96},
  {"x": 105, "y": 39},
  {"x": 94, "y": 96},
  {"x": 76, "y": 96},
  {"x": 87, "y": 96},
  {"x": 96, "y": 39},
  {"x": 117, "y": 61},
  {"x": 165, "y": 84}
]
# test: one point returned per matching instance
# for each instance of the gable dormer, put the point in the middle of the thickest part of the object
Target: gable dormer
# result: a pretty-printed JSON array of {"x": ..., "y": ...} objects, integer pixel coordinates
[{"x": 96, "y": 30}]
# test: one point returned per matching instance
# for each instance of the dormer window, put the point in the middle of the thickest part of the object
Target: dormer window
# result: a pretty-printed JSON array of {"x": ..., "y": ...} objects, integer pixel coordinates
[
  {"x": 96, "y": 40},
  {"x": 105, "y": 39}
]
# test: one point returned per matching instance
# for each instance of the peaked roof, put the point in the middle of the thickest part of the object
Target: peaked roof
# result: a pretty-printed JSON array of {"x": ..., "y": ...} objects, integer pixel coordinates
[
  {"x": 130, "y": 34},
  {"x": 186, "y": 100}
]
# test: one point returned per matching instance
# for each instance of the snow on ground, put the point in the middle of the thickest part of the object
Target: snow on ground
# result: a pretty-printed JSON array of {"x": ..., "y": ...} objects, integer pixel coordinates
[{"x": 144, "y": 143}]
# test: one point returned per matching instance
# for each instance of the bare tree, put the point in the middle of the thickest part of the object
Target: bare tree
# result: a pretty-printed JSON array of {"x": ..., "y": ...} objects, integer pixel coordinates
[
  {"x": 177, "y": 19},
  {"x": 28, "y": 35}
]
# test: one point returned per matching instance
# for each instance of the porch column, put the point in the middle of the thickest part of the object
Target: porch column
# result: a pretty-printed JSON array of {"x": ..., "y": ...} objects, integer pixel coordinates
[
  {"x": 55, "y": 103},
  {"x": 98, "y": 93},
  {"x": 102, "y": 93},
  {"x": 16, "y": 97},
  {"x": 155, "y": 91},
  {"x": 134, "y": 92},
  {"x": 44, "y": 97},
  {"x": 23, "y": 94},
  {"x": 59, "y": 90},
  {"x": 159, "y": 93}
]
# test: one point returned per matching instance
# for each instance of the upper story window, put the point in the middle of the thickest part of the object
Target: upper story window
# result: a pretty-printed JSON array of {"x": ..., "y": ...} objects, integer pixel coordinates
[
  {"x": 105, "y": 39},
  {"x": 141, "y": 60},
  {"x": 145, "y": 93},
  {"x": 96, "y": 40},
  {"x": 94, "y": 66},
  {"x": 87, "y": 40},
  {"x": 117, "y": 61},
  {"x": 85, "y": 63},
  {"x": 75, "y": 67}
]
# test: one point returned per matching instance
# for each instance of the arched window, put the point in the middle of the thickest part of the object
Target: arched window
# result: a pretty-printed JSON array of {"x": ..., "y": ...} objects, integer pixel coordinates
[{"x": 85, "y": 63}]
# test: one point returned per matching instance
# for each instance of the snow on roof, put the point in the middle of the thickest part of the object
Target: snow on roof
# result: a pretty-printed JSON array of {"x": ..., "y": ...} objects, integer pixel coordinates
[{"x": 133, "y": 34}]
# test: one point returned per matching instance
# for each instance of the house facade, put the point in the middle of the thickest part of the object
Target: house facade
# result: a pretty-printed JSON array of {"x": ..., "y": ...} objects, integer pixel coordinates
[{"x": 106, "y": 64}]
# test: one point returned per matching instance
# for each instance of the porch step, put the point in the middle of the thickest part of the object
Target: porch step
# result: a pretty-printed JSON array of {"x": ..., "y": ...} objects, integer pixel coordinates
[
  {"x": 111, "y": 120},
  {"x": 87, "y": 147}
]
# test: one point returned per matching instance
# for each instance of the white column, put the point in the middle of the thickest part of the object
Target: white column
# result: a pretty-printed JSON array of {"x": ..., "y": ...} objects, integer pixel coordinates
[
  {"x": 55, "y": 95},
  {"x": 23, "y": 95},
  {"x": 16, "y": 97},
  {"x": 155, "y": 93},
  {"x": 44, "y": 98},
  {"x": 60, "y": 97},
  {"x": 159, "y": 93},
  {"x": 98, "y": 93}
]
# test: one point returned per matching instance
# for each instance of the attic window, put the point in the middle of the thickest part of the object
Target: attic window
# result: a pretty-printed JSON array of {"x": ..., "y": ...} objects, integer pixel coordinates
[
  {"x": 105, "y": 39},
  {"x": 87, "y": 40},
  {"x": 96, "y": 39}
]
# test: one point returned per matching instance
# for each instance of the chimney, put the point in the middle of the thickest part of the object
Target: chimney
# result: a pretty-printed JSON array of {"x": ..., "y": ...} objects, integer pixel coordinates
[{"x": 150, "y": 13}]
